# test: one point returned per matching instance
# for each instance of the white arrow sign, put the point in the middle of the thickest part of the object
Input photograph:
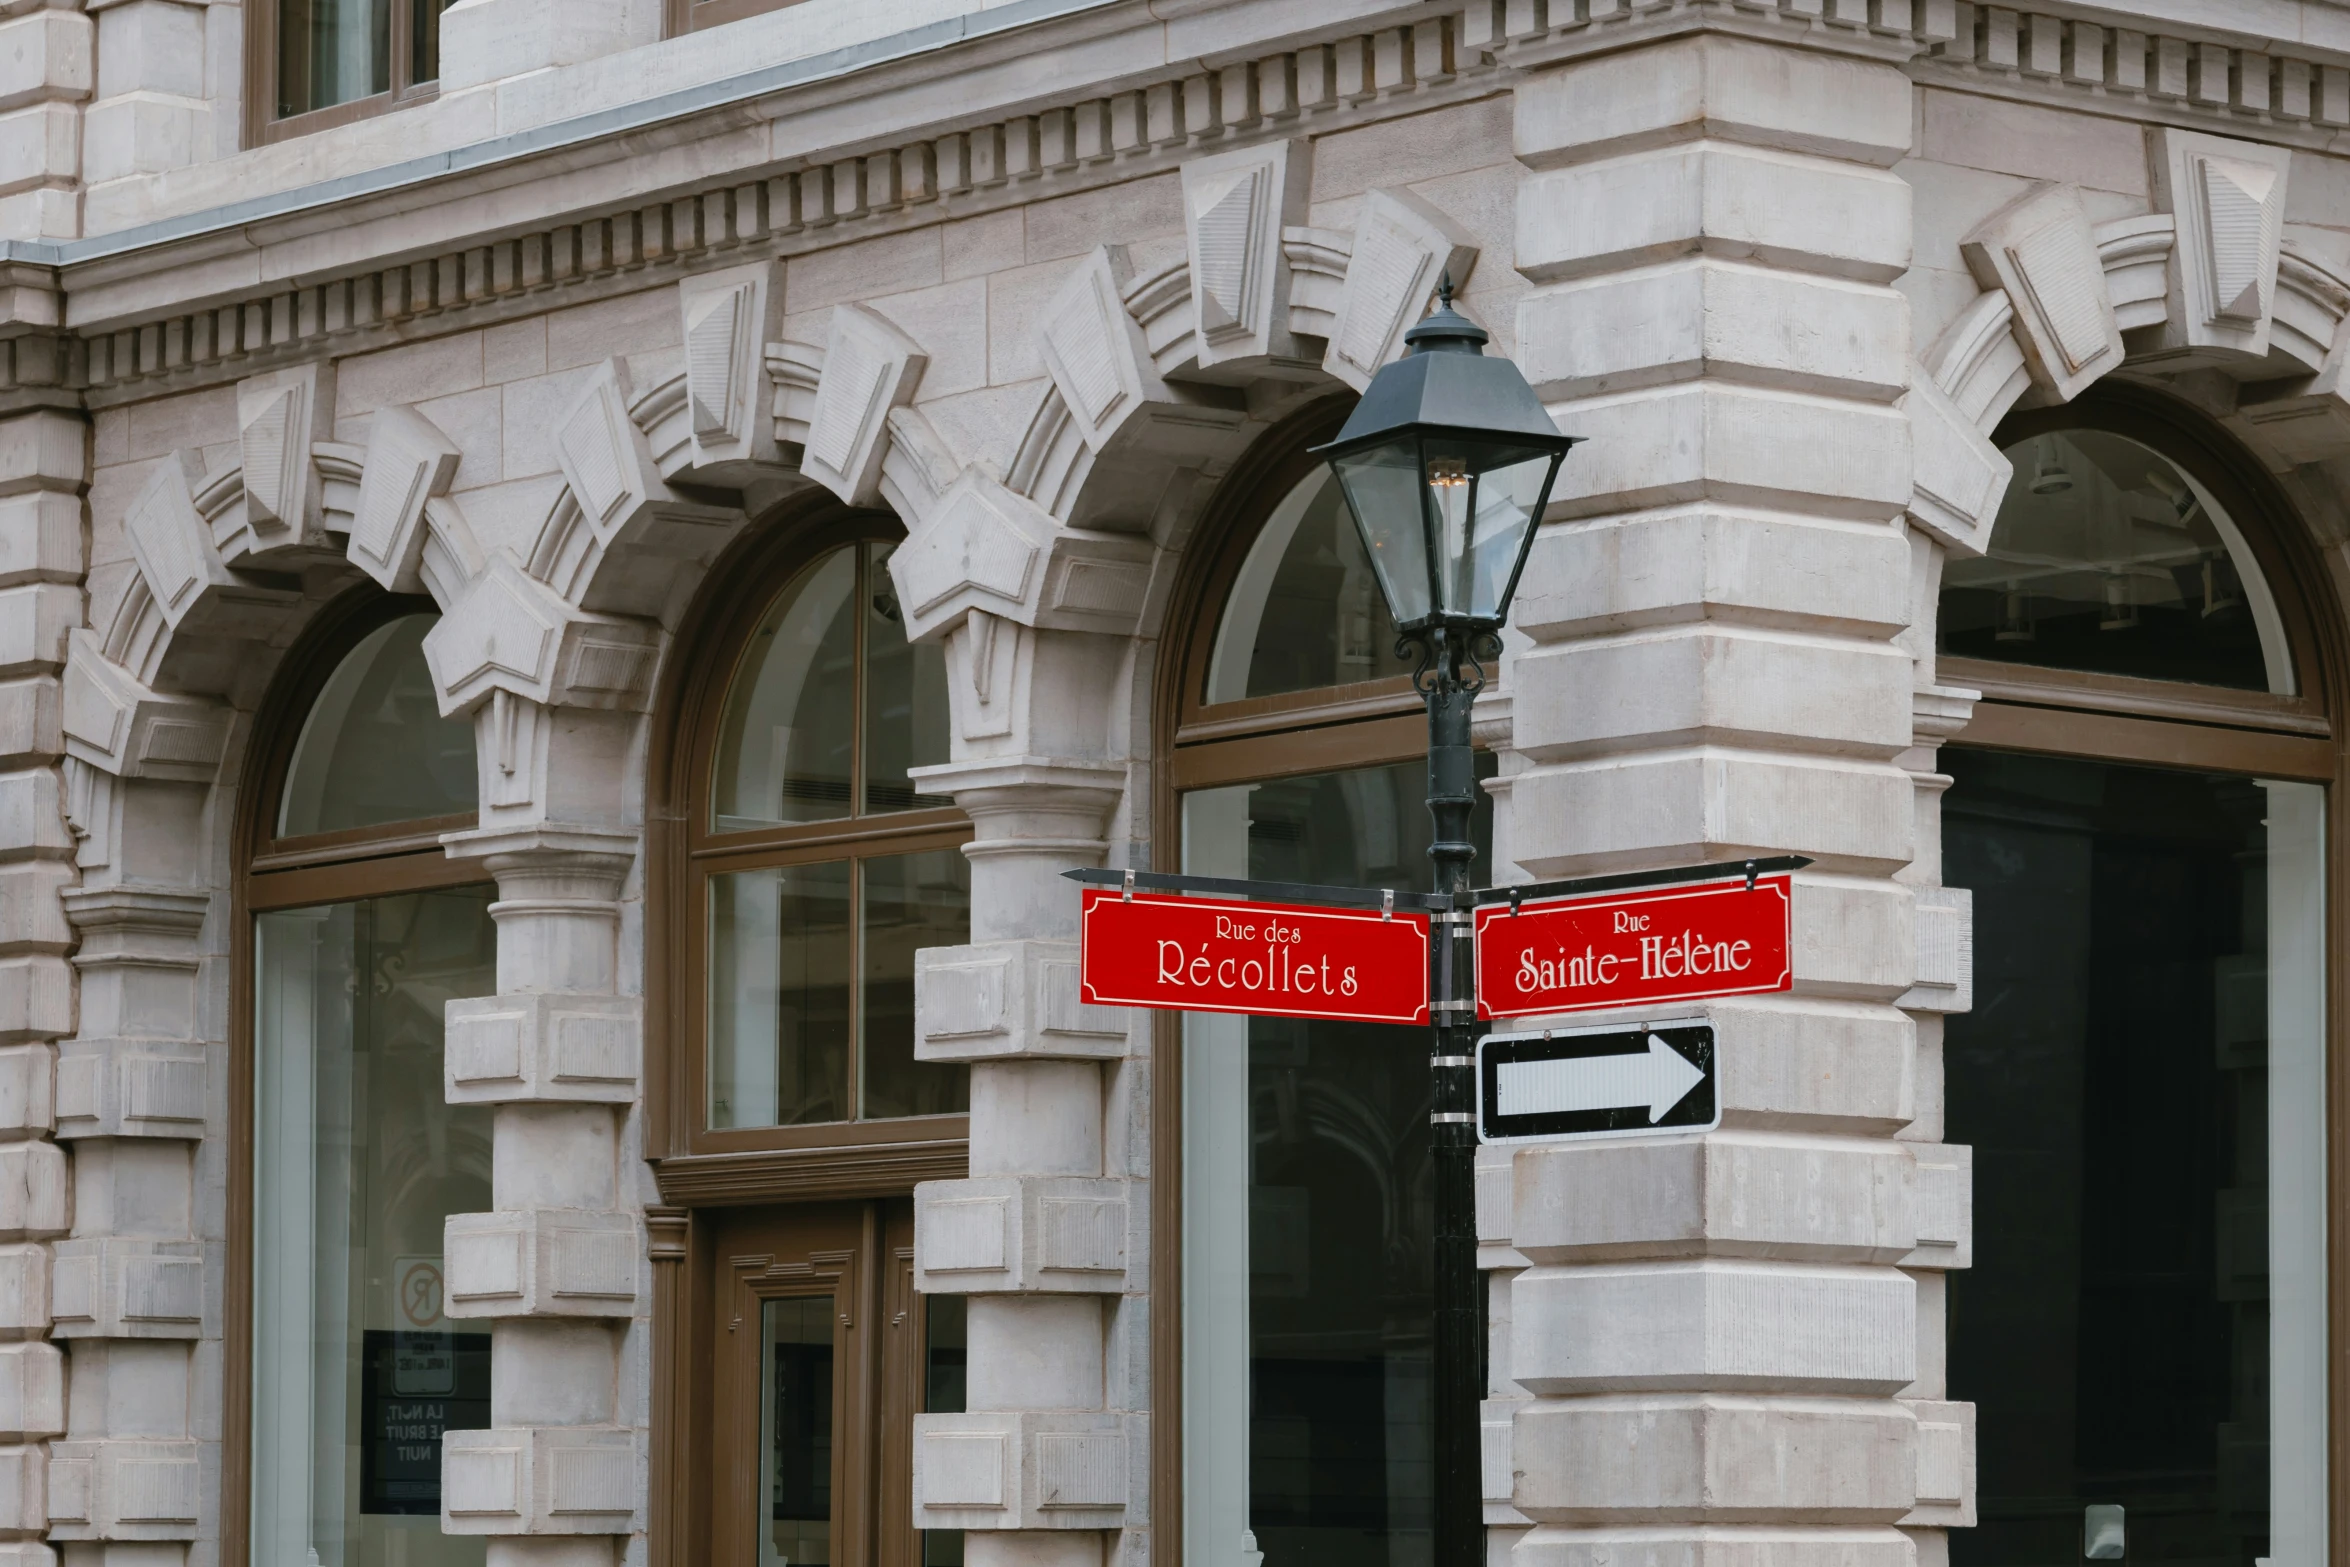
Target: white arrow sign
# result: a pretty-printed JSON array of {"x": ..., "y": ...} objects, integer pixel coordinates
[{"x": 1659, "y": 1079}]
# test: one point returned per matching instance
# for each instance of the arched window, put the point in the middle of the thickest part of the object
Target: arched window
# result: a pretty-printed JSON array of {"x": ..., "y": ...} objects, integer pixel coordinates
[
  {"x": 801, "y": 865},
  {"x": 1305, "y": 1171},
  {"x": 357, "y": 930},
  {"x": 2140, "y": 811}
]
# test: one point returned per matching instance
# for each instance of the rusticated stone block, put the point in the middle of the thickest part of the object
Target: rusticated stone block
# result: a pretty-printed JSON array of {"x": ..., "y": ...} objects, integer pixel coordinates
[
  {"x": 1715, "y": 1459},
  {"x": 558, "y": 1263},
  {"x": 32, "y": 1392},
  {"x": 36, "y": 1199},
  {"x": 24, "y": 1490},
  {"x": 1946, "y": 1466},
  {"x": 544, "y": 1048},
  {"x": 1027, "y": 1470},
  {"x": 1021, "y": 1233},
  {"x": 130, "y": 1088},
  {"x": 1553, "y": 1545},
  {"x": 1722, "y": 1195},
  {"x": 24, "y": 1291},
  {"x": 1713, "y": 1324},
  {"x": 28, "y": 1086},
  {"x": 125, "y": 1287},
  {"x": 1009, "y": 999},
  {"x": 539, "y": 1480},
  {"x": 124, "y": 1490}
]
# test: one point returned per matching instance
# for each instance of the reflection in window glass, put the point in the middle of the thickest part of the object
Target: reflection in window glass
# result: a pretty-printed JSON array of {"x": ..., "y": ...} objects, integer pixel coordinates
[
  {"x": 812, "y": 979},
  {"x": 795, "y": 1431},
  {"x": 1307, "y": 1214},
  {"x": 780, "y": 994},
  {"x": 375, "y": 748},
  {"x": 788, "y": 743},
  {"x": 358, "y": 1160},
  {"x": 424, "y": 39},
  {"x": 2142, "y": 1082},
  {"x": 330, "y": 52},
  {"x": 910, "y": 901},
  {"x": 1306, "y": 609},
  {"x": 2108, "y": 556},
  {"x": 944, "y": 1361}
]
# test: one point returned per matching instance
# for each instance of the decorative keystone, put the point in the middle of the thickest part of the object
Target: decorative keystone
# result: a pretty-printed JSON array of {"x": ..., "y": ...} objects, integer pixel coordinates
[
  {"x": 121, "y": 727},
  {"x": 2228, "y": 198},
  {"x": 409, "y": 461},
  {"x": 130, "y": 1088},
  {"x": 729, "y": 317},
  {"x": 1402, "y": 247},
  {"x": 537, "y": 1480},
  {"x": 542, "y": 1263},
  {"x": 1957, "y": 477},
  {"x": 2039, "y": 249},
  {"x": 123, "y": 1490},
  {"x": 1235, "y": 207},
  {"x": 280, "y": 415},
  {"x": 870, "y": 367},
  {"x": 1009, "y": 999},
  {"x": 124, "y": 1287},
  {"x": 545, "y": 1049},
  {"x": 513, "y": 633},
  {"x": 1028, "y": 1470},
  {"x": 990, "y": 549},
  {"x": 1094, "y": 350},
  {"x": 170, "y": 540},
  {"x": 1010, "y": 1233}
]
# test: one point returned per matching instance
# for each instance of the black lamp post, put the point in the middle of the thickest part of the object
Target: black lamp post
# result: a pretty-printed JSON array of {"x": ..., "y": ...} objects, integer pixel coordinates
[{"x": 1446, "y": 464}]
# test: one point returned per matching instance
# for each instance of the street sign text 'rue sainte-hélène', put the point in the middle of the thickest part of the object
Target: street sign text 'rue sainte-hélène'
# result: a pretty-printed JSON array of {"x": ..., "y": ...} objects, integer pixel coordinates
[{"x": 1278, "y": 950}]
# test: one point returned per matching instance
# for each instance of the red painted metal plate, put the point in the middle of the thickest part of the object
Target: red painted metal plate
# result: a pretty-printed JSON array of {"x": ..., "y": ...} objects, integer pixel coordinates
[
  {"x": 1267, "y": 959},
  {"x": 1633, "y": 948}
]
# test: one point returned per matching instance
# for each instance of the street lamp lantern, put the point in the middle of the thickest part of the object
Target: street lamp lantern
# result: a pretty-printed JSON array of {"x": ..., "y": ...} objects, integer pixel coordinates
[{"x": 1447, "y": 463}]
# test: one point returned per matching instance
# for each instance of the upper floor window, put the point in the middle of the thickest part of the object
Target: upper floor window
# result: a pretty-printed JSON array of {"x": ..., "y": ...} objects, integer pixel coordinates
[
  {"x": 323, "y": 62},
  {"x": 819, "y": 867}
]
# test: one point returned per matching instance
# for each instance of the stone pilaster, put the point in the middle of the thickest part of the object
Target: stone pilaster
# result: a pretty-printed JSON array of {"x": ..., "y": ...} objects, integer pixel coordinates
[
  {"x": 1714, "y": 1330},
  {"x": 47, "y": 69},
  {"x": 151, "y": 112},
  {"x": 1048, "y": 1235},
  {"x": 557, "y": 1267}
]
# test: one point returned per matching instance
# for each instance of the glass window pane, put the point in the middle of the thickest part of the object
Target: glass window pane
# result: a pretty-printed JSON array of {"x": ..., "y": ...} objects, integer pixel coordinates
[
  {"x": 1484, "y": 499},
  {"x": 786, "y": 742},
  {"x": 1305, "y": 610},
  {"x": 795, "y": 1431},
  {"x": 944, "y": 1357},
  {"x": 2141, "y": 1080},
  {"x": 905, "y": 698},
  {"x": 911, "y": 901},
  {"x": 358, "y": 1160},
  {"x": 375, "y": 748},
  {"x": 331, "y": 51},
  {"x": 2108, "y": 556},
  {"x": 1383, "y": 493},
  {"x": 779, "y": 995},
  {"x": 424, "y": 41},
  {"x": 1307, "y": 1218}
]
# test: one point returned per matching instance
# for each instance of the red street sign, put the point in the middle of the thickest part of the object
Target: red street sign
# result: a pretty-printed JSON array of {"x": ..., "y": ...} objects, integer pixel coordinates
[
  {"x": 1619, "y": 949},
  {"x": 1270, "y": 959}
]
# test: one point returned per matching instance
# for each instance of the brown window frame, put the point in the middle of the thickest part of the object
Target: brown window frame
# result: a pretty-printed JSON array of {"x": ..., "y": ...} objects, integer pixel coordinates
[
  {"x": 273, "y": 873},
  {"x": 2212, "y": 729},
  {"x": 696, "y": 1163},
  {"x": 263, "y": 125}
]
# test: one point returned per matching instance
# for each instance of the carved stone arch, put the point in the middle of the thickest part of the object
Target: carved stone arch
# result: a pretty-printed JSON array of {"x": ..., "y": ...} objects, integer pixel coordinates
[{"x": 2213, "y": 285}]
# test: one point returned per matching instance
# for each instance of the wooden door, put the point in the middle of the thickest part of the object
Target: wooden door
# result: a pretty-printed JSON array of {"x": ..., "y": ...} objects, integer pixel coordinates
[{"x": 815, "y": 1339}]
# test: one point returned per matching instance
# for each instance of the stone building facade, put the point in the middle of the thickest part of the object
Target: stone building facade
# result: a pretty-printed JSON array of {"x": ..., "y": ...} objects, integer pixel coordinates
[{"x": 573, "y": 574}]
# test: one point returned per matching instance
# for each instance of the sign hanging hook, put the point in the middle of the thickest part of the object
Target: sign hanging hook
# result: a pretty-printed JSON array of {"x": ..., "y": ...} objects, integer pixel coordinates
[
  {"x": 1387, "y": 903},
  {"x": 1750, "y": 874},
  {"x": 1126, "y": 894}
]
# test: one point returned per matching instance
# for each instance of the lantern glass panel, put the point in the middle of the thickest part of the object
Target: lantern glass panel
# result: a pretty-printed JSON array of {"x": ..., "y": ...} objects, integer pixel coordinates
[
  {"x": 1383, "y": 488},
  {"x": 1483, "y": 499}
]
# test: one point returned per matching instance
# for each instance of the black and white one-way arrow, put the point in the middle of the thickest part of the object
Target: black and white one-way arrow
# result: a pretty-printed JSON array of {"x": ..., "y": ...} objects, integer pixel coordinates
[{"x": 1607, "y": 1082}]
